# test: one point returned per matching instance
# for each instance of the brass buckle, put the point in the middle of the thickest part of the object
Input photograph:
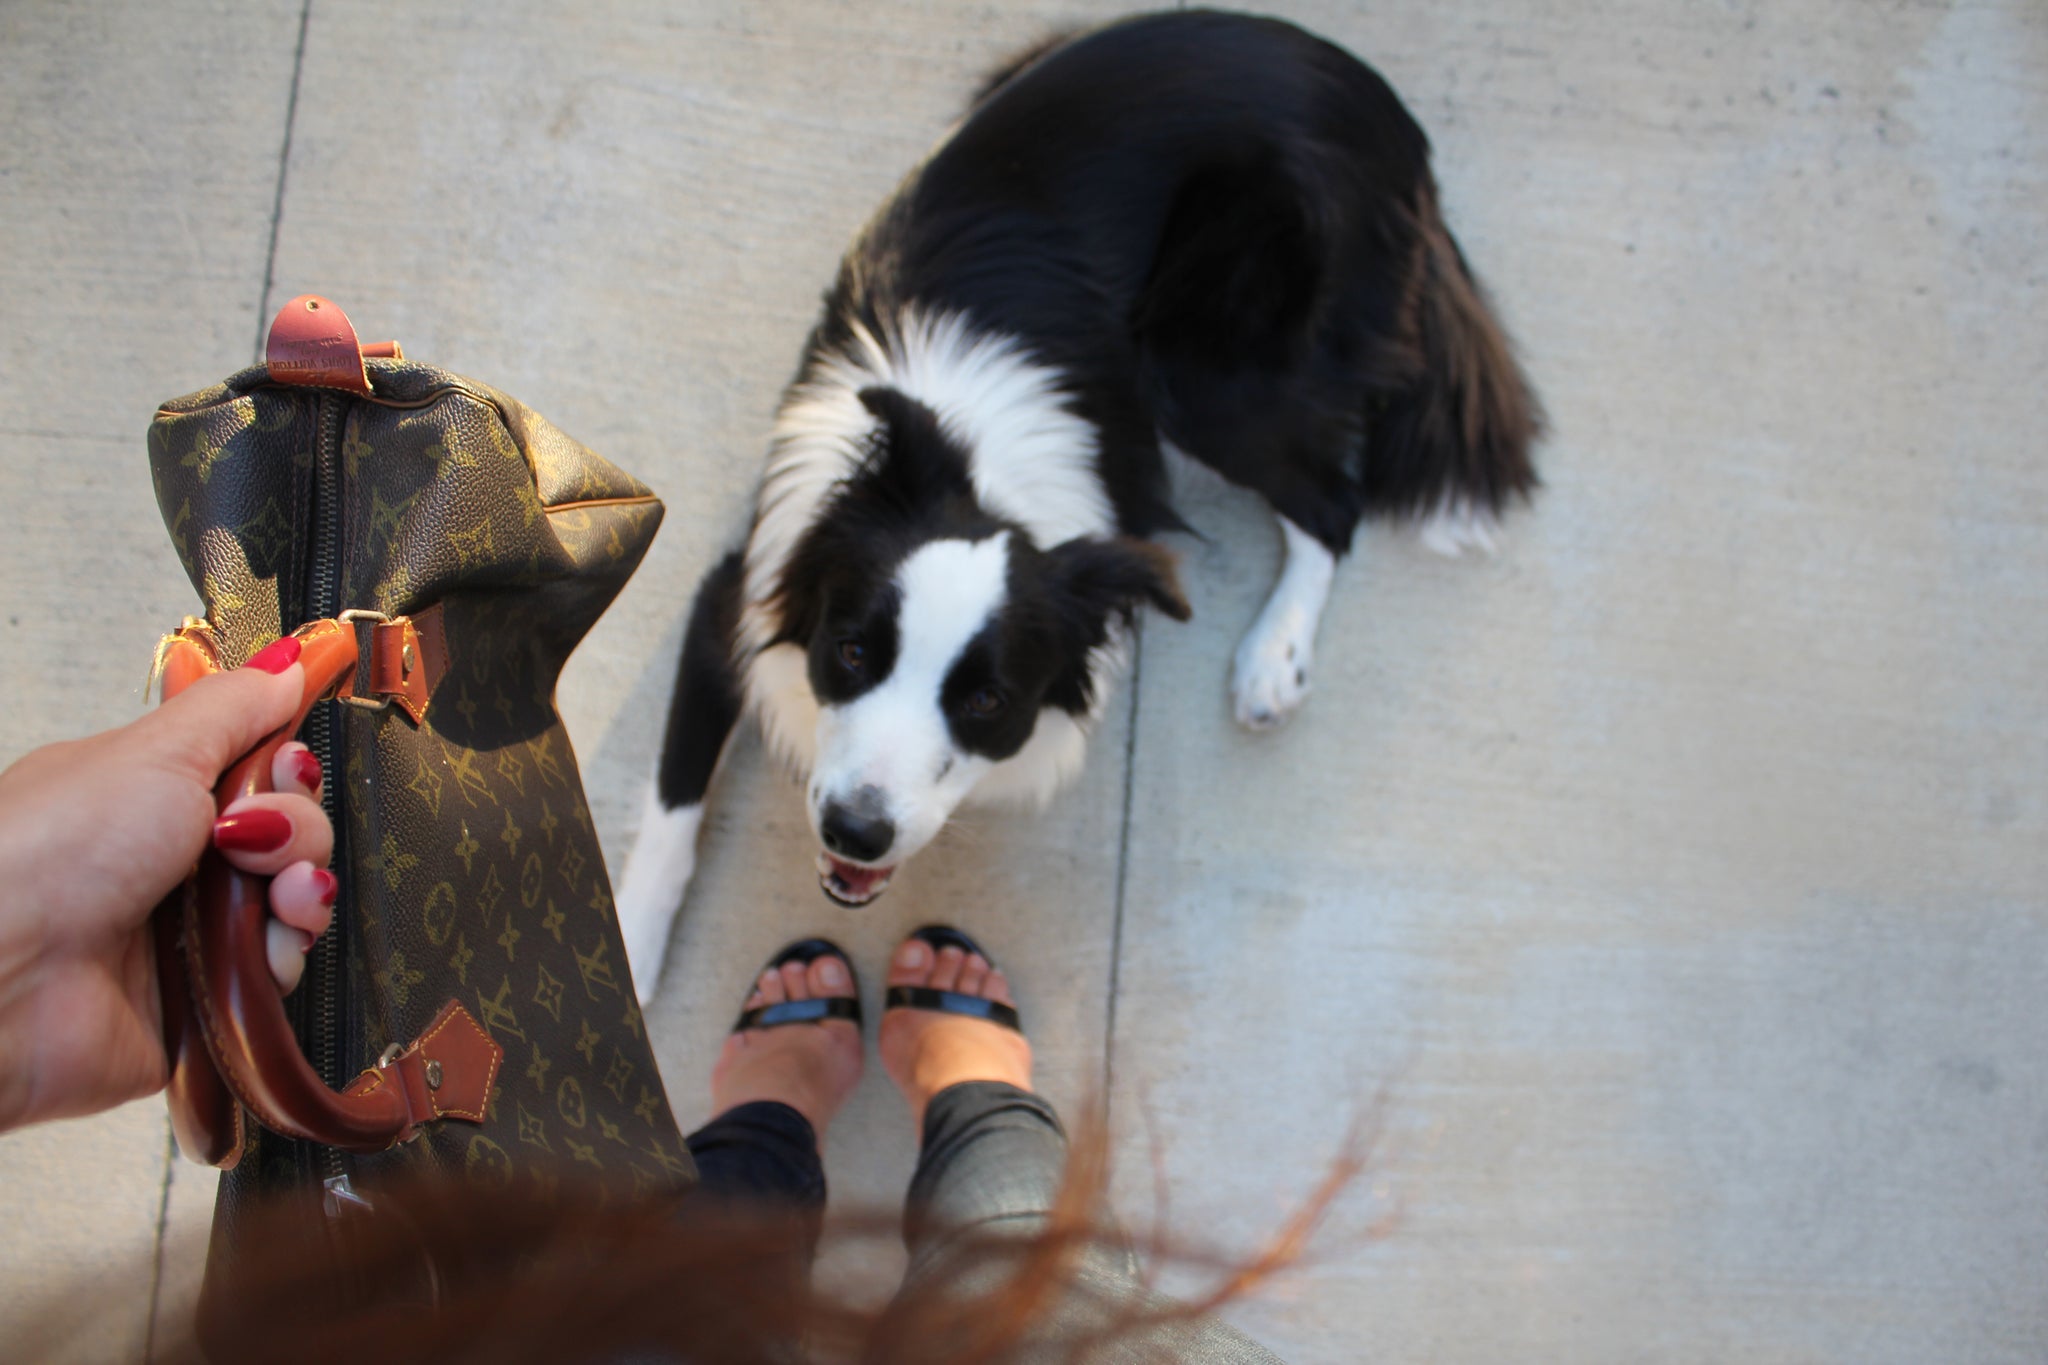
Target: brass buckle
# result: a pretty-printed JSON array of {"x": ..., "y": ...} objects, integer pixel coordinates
[
  {"x": 352, "y": 619},
  {"x": 433, "y": 1077}
]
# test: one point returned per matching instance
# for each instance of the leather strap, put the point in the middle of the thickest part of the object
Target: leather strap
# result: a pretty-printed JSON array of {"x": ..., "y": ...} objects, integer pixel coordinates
[
  {"x": 448, "y": 1073},
  {"x": 220, "y": 969},
  {"x": 313, "y": 344},
  {"x": 952, "y": 1002},
  {"x": 406, "y": 656}
]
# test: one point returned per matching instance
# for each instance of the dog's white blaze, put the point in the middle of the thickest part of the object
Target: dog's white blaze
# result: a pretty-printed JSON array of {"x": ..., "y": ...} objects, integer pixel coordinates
[
  {"x": 1031, "y": 459},
  {"x": 895, "y": 737},
  {"x": 651, "y": 891}
]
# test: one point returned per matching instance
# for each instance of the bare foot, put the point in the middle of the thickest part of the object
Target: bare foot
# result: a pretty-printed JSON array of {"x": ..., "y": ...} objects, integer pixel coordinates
[
  {"x": 812, "y": 1068},
  {"x": 925, "y": 1051}
]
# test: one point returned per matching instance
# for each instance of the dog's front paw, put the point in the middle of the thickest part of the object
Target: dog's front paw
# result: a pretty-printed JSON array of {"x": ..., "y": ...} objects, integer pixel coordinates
[{"x": 1270, "y": 677}]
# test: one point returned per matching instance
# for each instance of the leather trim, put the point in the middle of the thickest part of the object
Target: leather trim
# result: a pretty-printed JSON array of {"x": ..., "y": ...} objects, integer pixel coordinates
[
  {"x": 589, "y": 503},
  {"x": 313, "y": 344},
  {"x": 404, "y": 660},
  {"x": 408, "y": 656},
  {"x": 233, "y": 1004},
  {"x": 456, "y": 1052}
]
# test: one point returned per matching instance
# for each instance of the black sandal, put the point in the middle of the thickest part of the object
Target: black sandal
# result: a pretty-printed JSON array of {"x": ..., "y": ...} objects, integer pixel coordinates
[
  {"x": 952, "y": 1002},
  {"x": 812, "y": 1011}
]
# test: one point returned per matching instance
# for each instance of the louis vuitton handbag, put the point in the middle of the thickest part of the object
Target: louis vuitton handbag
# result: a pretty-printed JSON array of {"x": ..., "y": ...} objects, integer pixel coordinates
[{"x": 438, "y": 550}]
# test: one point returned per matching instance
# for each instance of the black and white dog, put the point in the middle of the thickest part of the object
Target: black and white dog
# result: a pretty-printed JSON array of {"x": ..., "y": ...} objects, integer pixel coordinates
[{"x": 1202, "y": 230}]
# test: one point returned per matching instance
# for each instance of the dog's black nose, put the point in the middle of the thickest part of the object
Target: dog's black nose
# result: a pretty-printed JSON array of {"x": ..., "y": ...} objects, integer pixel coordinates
[{"x": 859, "y": 829}]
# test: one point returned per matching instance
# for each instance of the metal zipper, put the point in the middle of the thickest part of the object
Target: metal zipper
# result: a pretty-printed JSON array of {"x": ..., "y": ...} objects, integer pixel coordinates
[{"x": 323, "y": 599}]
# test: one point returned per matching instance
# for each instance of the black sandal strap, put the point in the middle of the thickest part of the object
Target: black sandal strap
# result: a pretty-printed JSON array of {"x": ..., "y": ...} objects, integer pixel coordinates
[
  {"x": 952, "y": 1002},
  {"x": 806, "y": 951},
  {"x": 800, "y": 1012}
]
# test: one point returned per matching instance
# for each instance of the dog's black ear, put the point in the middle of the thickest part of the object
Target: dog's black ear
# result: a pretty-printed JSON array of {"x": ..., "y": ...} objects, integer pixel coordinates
[{"x": 1102, "y": 577}]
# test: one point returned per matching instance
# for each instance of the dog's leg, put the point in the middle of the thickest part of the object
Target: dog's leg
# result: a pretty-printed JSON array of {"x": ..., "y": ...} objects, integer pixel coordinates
[
  {"x": 1270, "y": 678},
  {"x": 701, "y": 715}
]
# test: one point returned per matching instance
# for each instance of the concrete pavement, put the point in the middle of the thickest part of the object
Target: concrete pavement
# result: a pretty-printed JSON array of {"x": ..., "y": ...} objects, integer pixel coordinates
[{"x": 1677, "y": 878}]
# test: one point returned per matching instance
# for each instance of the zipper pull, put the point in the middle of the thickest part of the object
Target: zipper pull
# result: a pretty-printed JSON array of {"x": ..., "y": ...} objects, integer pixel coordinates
[{"x": 341, "y": 1197}]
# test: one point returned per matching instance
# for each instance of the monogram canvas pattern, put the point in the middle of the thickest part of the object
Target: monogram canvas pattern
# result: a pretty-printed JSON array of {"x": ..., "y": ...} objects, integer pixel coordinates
[{"x": 469, "y": 864}]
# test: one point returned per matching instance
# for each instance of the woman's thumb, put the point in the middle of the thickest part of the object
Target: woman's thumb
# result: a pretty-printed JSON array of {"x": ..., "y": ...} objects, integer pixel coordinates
[{"x": 222, "y": 716}]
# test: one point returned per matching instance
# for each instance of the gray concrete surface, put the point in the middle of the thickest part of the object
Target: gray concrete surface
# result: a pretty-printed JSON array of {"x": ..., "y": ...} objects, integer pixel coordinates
[{"x": 1678, "y": 879}]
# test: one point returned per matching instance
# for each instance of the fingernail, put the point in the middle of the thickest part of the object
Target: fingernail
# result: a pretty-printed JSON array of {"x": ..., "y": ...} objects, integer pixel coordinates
[
  {"x": 307, "y": 769},
  {"x": 911, "y": 954},
  {"x": 326, "y": 885},
  {"x": 276, "y": 656},
  {"x": 252, "y": 831},
  {"x": 831, "y": 973}
]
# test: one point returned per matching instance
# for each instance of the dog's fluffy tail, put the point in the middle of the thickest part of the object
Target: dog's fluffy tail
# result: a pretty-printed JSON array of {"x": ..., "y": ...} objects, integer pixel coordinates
[{"x": 1451, "y": 449}]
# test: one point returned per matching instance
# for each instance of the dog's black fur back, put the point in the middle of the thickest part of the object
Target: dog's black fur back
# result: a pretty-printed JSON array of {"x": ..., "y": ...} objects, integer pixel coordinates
[{"x": 1221, "y": 229}]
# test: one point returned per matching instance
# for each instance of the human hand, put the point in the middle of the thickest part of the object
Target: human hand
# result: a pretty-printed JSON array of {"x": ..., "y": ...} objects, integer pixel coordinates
[{"x": 94, "y": 833}]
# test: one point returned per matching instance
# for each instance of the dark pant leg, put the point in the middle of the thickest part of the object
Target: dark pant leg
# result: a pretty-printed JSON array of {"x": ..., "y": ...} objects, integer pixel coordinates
[
  {"x": 764, "y": 1151},
  {"x": 990, "y": 1168},
  {"x": 760, "y": 1158}
]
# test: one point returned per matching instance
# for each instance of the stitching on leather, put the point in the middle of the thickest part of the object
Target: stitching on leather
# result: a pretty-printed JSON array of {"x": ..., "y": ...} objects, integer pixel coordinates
[
  {"x": 600, "y": 502},
  {"x": 459, "y": 1014}
]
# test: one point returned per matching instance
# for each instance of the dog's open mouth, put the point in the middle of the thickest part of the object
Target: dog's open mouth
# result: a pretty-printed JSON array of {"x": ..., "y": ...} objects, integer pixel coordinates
[{"x": 850, "y": 884}]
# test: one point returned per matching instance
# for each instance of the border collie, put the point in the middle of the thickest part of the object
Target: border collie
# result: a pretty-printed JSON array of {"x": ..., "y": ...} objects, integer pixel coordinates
[{"x": 1207, "y": 231}]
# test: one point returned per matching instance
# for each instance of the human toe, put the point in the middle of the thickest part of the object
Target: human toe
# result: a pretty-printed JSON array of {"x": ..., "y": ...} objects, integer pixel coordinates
[
  {"x": 827, "y": 976},
  {"x": 946, "y": 969},
  {"x": 973, "y": 972},
  {"x": 912, "y": 963},
  {"x": 995, "y": 986}
]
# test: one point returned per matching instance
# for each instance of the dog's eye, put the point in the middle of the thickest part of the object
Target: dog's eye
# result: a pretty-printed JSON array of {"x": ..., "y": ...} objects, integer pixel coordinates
[
  {"x": 853, "y": 654},
  {"x": 983, "y": 702}
]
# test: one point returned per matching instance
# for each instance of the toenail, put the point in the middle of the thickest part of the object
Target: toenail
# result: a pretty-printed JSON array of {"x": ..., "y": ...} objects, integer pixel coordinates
[
  {"x": 830, "y": 973},
  {"x": 911, "y": 954}
]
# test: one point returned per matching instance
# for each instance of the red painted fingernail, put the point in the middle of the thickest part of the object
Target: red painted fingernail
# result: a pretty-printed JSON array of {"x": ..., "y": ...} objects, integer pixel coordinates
[
  {"x": 276, "y": 656},
  {"x": 307, "y": 769},
  {"x": 252, "y": 831},
  {"x": 328, "y": 885}
]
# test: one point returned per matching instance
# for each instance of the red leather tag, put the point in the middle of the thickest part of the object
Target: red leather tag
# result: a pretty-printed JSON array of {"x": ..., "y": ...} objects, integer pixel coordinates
[{"x": 313, "y": 343}]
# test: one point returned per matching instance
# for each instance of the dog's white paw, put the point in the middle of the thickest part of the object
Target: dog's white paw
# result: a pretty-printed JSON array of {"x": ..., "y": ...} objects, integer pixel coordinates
[
  {"x": 651, "y": 891},
  {"x": 1269, "y": 679}
]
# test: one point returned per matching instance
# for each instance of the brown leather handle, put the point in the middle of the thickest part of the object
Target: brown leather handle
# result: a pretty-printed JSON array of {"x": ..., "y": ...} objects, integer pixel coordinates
[
  {"x": 238, "y": 1012},
  {"x": 239, "y": 1006}
]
